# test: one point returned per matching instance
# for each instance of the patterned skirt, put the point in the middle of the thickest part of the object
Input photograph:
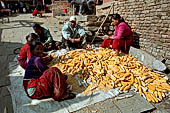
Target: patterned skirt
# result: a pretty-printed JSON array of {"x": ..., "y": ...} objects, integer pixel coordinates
[{"x": 51, "y": 84}]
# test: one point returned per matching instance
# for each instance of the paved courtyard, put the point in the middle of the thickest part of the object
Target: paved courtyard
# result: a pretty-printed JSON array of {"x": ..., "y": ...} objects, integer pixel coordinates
[{"x": 13, "y": 34}]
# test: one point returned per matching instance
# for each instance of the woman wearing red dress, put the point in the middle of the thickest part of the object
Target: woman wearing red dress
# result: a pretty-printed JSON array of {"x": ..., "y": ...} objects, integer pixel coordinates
[
  {"x": 122, "y": 38},
  {"x": 40, "y": 81},
  {"x": 25, "y": 53}
]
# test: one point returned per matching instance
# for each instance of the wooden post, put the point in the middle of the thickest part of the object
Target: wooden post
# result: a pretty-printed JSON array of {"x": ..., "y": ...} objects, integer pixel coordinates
[
  {"x": 103, "y": 22},
  {"x": 73, "y": 9},
  {"x": 113, "y": 9}
]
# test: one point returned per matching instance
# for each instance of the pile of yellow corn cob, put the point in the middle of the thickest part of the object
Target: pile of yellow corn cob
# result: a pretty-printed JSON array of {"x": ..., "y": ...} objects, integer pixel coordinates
[{"x": 102, "y": 68}]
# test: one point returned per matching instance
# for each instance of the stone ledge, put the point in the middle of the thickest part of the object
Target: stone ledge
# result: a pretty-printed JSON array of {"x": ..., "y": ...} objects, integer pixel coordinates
[{"x": 147, "y": 59}]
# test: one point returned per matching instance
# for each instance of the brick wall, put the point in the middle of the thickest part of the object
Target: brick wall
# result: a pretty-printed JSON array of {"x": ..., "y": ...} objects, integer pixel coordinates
[
  {"x": 58, "y": 7},
  {"x": 151, "y": 21}
]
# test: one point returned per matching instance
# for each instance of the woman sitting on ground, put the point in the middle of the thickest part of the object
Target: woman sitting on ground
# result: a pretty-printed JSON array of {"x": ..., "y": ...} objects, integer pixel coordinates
[
  {"x": 46, "y": 38},
  {"x": 41, "y": 81},
  {"x": 122, "y": 38},
  {"x": 25, "y": 53}
]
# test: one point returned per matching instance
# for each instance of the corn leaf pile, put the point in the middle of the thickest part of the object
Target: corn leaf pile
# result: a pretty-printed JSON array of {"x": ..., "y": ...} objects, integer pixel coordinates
[{"x": 102, "y": 68}]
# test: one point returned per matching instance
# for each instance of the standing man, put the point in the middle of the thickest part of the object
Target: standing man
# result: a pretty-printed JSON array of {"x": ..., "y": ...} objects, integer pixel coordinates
[
  {"x": 91, "y": 4},
  {"x": 73, "y": 35},
  {"x": 76, "y": 4},
  {"x": 87, "y": 7}
]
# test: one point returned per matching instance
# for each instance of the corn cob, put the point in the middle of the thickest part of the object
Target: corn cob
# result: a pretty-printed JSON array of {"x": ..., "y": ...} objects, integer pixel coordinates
[{"x": 108, "y": 70}]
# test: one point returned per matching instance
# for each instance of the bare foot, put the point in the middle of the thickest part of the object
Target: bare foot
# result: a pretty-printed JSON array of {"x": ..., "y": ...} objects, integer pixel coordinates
[
  {"x": 110, "y": 46},
  {"x": 68, "y": 96},
  {"x": 65, "y": 96},
  {"x": 117, "y": 52}
]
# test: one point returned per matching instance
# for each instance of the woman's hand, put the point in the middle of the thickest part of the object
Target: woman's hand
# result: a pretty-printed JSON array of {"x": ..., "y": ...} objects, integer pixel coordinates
[
  {"x": 67, "y": 48},
  {"x": 105, "y": 37},
  {"x": 47, "y": 59}
]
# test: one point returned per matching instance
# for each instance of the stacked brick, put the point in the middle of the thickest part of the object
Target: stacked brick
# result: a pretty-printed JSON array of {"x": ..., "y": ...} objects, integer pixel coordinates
[
  {"x": 91, "y": 25},
  {"x": 150, "y": 20}
]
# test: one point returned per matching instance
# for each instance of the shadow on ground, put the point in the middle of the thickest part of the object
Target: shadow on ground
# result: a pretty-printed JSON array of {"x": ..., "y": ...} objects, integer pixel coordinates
[
  {"x": 20, "y": 24},
  {"x": 6, "y": 54},
  {"x": 136, "y": 37}
]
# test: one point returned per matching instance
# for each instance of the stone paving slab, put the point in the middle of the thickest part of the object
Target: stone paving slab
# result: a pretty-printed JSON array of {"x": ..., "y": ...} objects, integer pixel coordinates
[
  {"x": 134, "y": 104},
  {"x": 4, "y": 66},
  {"x": 4, "y": 92},
  {"x": 6, "y": 101},
  {"x": 163, "y": 107},
  {"x": 4, "y": 81},
  {"x": 106, "y": 106}
]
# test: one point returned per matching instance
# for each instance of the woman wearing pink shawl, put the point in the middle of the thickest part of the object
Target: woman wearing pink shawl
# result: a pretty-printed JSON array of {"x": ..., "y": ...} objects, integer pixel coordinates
[{"x": 122, "y": 38}]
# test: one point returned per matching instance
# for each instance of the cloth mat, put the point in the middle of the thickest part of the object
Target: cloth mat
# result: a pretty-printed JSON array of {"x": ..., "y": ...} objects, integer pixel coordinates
[{"x": 23, "y": 104}]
